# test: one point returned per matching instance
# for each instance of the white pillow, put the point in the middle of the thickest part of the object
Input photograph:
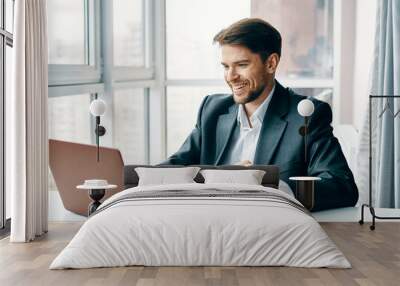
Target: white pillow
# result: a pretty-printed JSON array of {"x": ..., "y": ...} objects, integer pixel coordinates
[
  {"x": 248, "y": 177},
  {"x": 165, "y": 176}
]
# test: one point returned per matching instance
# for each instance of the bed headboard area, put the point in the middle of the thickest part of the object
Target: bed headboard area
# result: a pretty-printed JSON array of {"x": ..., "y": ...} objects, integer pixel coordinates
[{"x": 270, "y": 179}]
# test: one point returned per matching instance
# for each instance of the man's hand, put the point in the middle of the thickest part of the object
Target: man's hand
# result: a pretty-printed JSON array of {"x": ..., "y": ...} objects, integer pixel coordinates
[{"x": 245, "y": 163}]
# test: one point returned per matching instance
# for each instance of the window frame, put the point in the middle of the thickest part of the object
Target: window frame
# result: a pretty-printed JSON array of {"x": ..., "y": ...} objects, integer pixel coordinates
[
  {"x": 134, "y": 73},
  {"x": 6, "y": 39},
  {"x": 66, "y": 74}
]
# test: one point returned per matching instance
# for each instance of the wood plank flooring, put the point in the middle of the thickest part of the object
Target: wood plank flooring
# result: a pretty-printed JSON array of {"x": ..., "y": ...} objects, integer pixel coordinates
[{"x": 374, "y": 255}]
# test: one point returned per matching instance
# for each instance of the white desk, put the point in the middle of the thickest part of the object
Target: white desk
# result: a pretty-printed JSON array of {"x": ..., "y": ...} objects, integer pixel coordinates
[{"x": 353, "y": 214}]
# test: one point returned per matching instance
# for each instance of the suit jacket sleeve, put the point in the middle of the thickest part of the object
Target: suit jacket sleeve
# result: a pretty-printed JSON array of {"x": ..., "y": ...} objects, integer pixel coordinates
[
  {"x": 326, "y": 160},
  {"x": 190, "y": 151}
]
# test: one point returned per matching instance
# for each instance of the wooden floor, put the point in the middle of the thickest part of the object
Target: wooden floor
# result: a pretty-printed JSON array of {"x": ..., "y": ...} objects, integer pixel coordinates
[{"x": 374, "y": 255}]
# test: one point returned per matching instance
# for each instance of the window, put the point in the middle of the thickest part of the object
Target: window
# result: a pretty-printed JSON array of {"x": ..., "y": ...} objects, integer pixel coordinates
[
  {"x": 129, "y": 33},
  {"x": 104, "y": 53},
  {"x": 6, "y": 43},
  {"x": 69, "y": 118},
  {"x": 183, "y": 103},
  {"x": 74, "y": 52},
  {"x": 129, "y": 125},
  {"x": 190, "y": 52},
  {"x": 9, "y": 15},
  {"x": 132, "y": 56},
  {"x": 324, "y": 94},
  {"x": 8, "y": 82},
  {"x": 67, "y": 46}
]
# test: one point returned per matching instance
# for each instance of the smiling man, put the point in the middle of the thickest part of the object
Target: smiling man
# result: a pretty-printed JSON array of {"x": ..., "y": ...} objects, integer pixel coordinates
[{"x": 259, "y": 124}]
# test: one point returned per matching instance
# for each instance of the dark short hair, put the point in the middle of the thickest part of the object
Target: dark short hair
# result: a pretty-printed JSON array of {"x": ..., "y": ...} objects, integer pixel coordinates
[{"x": 257, "y": 35}]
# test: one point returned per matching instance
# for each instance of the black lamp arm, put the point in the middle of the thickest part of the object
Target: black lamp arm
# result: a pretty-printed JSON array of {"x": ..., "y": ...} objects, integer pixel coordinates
[
  {"x": 99, "y": 131},
  {"x": 303, "y": 132}
]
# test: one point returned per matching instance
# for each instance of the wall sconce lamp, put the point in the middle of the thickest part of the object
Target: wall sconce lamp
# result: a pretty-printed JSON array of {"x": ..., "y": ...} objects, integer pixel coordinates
[
  {"x": 305, "y": 109},
  {"x": 98, "y": 108}
]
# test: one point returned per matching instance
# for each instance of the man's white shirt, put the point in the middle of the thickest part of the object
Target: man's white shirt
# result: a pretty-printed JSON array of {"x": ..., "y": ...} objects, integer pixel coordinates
[{"x": 244, "y": 148}]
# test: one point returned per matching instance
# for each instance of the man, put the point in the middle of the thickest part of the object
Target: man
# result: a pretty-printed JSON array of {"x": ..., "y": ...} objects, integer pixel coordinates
[{"x": 259, "y": 122}]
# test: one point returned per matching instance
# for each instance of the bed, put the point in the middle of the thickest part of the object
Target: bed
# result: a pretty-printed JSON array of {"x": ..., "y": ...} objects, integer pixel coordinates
[{"x": 201, "y": 224}]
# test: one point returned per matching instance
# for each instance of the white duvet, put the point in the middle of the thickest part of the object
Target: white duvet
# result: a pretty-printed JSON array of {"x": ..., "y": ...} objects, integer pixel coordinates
[{"x": 200, "y": 231}]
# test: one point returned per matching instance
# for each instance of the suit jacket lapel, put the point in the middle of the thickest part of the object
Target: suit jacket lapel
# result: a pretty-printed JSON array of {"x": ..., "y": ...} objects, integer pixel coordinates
[
  {"x": 225, "y": 126},
  {"x": 273, "y": 126}
]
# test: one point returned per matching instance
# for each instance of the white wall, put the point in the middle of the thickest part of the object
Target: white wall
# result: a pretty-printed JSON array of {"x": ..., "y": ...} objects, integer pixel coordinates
[
  {"x": 344, "y": 34},
  {"x": 354, "y": 43},
  {"x": 363, "y": 55}
]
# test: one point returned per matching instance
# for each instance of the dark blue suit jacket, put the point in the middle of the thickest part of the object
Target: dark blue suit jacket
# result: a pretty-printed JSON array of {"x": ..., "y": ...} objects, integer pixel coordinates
[{"x": 279, "y": 144}]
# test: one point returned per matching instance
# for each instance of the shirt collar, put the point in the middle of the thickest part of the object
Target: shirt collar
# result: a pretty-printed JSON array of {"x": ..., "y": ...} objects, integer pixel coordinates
[{"x": 258, "y": 114}]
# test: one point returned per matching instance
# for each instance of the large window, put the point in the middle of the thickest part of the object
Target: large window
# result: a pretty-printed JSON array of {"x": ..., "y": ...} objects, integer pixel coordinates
[
  {"x": 69, "y": 119},
  {"x": 129, "y": 33},
  {"x": 105, "y": 53},
  {"x": 182, "y": 105},
  {"x": 6, "y": 43},
  {"x": 129, "y": 124},
  {"x": 130, "y": 57},
  {"x": 190, "y": 52},
  {"x": 70, "y": 46},
  {"x": 74, "y": 51}
]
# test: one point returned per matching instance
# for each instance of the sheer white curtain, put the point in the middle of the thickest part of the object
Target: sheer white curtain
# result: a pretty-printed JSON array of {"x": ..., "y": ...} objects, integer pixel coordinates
[{"x": 26, "y": 117}]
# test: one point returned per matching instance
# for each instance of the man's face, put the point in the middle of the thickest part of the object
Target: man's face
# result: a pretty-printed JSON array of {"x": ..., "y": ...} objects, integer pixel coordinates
[{"x": 244, "y": 72}]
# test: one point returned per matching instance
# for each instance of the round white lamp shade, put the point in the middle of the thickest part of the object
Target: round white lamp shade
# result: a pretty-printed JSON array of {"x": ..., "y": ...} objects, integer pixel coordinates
[
  {"x": 305, "y": 107},
  {"x": 97, "y": 107}
]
